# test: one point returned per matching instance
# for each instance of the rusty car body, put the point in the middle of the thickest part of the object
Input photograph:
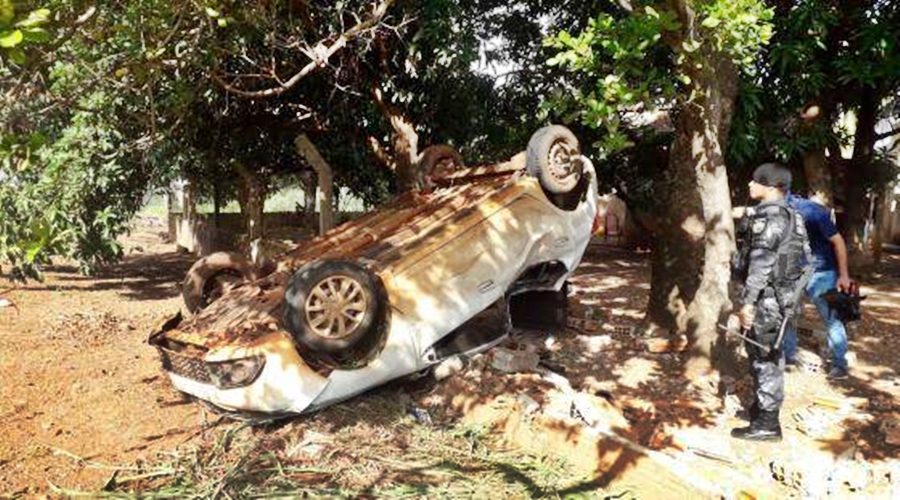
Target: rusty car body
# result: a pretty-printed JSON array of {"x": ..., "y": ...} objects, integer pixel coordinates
[{"x": 385, "y": 295}]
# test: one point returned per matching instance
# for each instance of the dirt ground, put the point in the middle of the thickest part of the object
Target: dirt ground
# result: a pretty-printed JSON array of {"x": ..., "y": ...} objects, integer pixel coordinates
[{"x": 82, "y": 396}]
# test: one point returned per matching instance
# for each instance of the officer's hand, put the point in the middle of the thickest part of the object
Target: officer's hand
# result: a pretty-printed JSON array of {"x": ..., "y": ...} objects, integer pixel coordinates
[
  {"x": 843, "y": 284},
  {"x": 734, "y": 323},
  {"x": 746, "y": 314}
]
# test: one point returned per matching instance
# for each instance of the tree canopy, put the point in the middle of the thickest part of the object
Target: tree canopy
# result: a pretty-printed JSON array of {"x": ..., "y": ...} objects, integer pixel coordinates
[{"x": 106, "y": 101}]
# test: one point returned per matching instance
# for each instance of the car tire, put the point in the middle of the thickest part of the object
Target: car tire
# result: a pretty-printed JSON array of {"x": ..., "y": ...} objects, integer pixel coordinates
[
  {"x": 210, "y": 276},
  {"x": 336, "y": 309},
  {"x": 554, "y": 157},
  {"x": 438, "y": 161}
]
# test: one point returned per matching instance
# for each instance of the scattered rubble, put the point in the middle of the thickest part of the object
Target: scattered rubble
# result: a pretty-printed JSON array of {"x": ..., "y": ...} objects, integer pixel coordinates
[
  {"x": 90, "y": 328},
  {"x": 421, "y": 416},
  {"x": 891, "y": 430},
  {"x": 528, "y": 405},
  {"x": 809, "y": 361},
  {"x": 509, "y": 361},
  {"x": 816, "y": 422},
  {"x": 449, "y": 367}
]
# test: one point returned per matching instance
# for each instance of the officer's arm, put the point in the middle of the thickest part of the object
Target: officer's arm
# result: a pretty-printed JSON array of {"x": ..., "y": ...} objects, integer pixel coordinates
[
  {"x": 840, "y": 255},
  {"x": 763, "y": 251}
]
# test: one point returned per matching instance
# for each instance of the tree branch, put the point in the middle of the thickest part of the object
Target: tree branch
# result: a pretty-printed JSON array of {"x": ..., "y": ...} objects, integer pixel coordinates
[
  {"x": 319, "y": 55},
  {"x": 886, "y": 135},
  {"x": 31, "y": 66},
  {"x": 686, "y": 17},
  {"x": 383, "y": 156}
]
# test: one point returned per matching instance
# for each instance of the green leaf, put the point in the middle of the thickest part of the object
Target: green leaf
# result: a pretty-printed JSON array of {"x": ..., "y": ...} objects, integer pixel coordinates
[
  {"x": 32, "y": 250},
  {"x": 17, "y": 56},
  {"x": 211, "y": 12},
  {"x": 690, "y": 45},
  {"x": 7, "y": 12},
  {"x": 711, "y": 22},
  {"x": 9, "y": 39},
  {"x": 38, "y": 35},
  {"x": 35, "y": 18}
]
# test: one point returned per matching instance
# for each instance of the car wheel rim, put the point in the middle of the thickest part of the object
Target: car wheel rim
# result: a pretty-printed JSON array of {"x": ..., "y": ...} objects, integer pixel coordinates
[
  {"x": 336, "y": 307},
  {"x": 561, "y": 160}
]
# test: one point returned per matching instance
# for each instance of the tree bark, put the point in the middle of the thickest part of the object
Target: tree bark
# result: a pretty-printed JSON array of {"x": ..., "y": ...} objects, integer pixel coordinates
[
  {"x": 690, "y": 262},
  {"x": 860, "y": 170},
  {"x": 405, "y": 143},
  {"x": 818, "y": 176},
  {"x": 252, "y": 200}
]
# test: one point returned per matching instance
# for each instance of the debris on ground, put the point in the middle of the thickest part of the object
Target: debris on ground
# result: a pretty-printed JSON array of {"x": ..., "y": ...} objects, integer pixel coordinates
[
  {"x": 527, "y": 404},
  {"x": 891, "y": 430},
  {"x": 8, "y": 303},
  {"x": 816, "y": 422},
  {"x": 659, "y": 345},
  {"x": 510, "y": 361},
  {"x": 448, "y": 368},
  {"x": 587, "y": 318},
  {"x": 88, "y": 328},
  {"x": 421, "y": 416}
]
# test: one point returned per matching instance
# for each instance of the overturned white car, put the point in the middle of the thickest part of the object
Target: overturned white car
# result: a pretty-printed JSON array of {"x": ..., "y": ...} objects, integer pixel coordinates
[{"x": 385, "y": 295}]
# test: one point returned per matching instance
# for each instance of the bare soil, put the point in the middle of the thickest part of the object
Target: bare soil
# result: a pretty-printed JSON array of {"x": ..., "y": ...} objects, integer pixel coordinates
[
  {"x": 81, "y": 392},
  {"x": 79, "y": 381}
]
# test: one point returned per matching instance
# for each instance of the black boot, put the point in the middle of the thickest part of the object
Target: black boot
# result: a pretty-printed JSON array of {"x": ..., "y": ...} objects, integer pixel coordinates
[
  {"x": 763, "y": 428},
  {"x": 750, "y": 414}
]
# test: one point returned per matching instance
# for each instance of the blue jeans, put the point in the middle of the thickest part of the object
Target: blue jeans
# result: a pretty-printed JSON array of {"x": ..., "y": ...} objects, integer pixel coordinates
[{"x": 821, "y": 282}]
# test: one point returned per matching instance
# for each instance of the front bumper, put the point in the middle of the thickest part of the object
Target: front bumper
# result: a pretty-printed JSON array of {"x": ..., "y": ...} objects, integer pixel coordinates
[{"x": 286, "y": 384}]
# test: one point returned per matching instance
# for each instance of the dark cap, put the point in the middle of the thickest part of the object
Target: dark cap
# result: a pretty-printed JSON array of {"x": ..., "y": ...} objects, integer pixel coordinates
[{"x": 773, "y": 175}]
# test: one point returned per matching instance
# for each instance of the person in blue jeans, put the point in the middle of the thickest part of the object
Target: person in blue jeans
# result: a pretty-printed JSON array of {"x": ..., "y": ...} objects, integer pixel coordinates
[{"x": 830, "y": 260}]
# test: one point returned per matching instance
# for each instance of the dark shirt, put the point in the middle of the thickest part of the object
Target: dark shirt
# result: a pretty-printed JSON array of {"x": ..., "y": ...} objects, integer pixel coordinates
[
  {"x": 768, "y": 225},
  {"x": 819, "y": 228}
]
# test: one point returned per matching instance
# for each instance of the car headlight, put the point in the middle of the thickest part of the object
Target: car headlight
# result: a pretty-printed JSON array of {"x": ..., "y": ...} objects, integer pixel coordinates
[{"x": 236, "y": 372}]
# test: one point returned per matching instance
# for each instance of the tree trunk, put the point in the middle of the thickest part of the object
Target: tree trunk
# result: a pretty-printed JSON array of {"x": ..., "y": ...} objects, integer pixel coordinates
[
  {"x": 882, "y": 221},
  {"x": 860, "y": 170},
  {"x": 818, "y": 176},
  {"x": 252, "y": 200},
  {"x": 690, "y": 263},
  {"x": 405, "y": 143},
  {"x": 326, "y": 181}
]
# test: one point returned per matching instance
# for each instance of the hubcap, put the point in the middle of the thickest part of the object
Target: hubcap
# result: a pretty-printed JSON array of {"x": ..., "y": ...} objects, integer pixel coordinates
[
  {"x": 561, "y": 160},
  {"x": 336, "y": 306}
]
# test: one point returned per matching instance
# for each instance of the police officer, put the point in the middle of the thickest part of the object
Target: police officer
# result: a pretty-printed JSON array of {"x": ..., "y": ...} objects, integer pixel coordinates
[{"x": 772, "y": 262}]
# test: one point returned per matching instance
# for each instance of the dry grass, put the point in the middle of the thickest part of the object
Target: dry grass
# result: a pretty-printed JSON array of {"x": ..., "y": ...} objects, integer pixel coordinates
[{"x": 336, "y": 453}]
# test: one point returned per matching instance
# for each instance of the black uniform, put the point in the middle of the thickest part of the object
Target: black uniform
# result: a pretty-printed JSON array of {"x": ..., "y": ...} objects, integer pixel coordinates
[{"x": 772, "y": 265}]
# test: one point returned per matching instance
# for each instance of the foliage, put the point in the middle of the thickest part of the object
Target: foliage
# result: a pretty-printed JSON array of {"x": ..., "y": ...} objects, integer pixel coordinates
[
  {"x": 827, "y": 54},
  {"x": 77, "y": 131},
  {"x": 127, "y": 96},
  {"x": 642, "y": 60}
]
